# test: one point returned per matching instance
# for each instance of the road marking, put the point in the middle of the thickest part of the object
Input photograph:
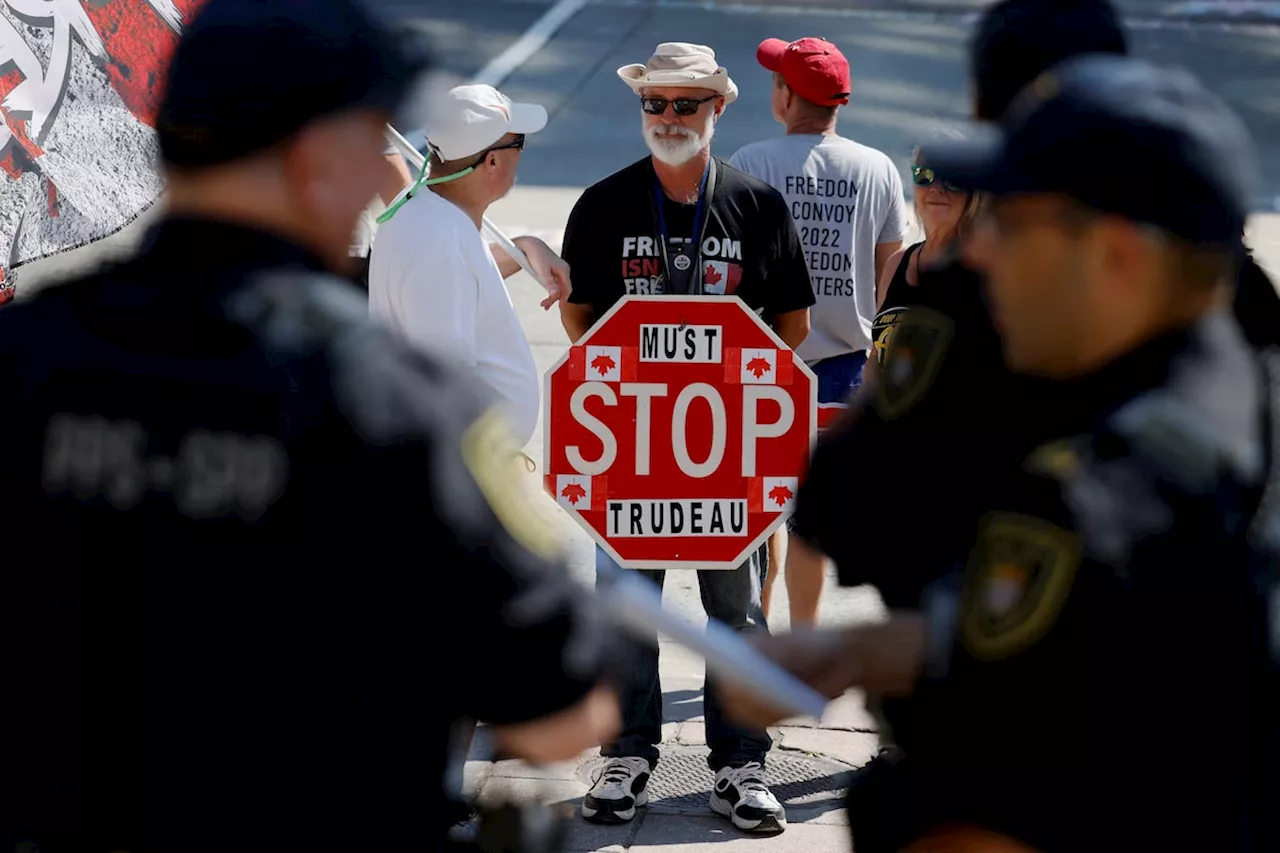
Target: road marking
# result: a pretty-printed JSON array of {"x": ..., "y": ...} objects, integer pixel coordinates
[
  {"x": 534, "y": 39},
  {"x": 501, "y": 66}
]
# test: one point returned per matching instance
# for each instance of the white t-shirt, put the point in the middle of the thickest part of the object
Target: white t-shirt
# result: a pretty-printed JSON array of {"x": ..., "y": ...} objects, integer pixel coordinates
[
  {"x": 845, "y": 198},
  {"x": 433, "y": 280}
]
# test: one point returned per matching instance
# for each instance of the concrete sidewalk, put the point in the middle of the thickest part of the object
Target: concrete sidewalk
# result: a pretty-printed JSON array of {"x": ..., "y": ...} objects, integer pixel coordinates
[{"x": 809, "y": 769}]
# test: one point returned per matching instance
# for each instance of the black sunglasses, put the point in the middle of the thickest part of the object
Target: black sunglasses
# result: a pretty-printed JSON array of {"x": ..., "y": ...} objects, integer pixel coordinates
[
  {"x": 923, "y": 176},
  {"x": 683, "y": 106},
  {"x": 517, "y": 144}
]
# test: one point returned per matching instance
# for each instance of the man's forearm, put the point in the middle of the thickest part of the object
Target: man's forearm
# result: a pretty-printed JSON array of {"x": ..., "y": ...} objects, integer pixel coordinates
[
  {"x": 576, "y": 319},
  {"x": 507, "y": 265},
  {"x": 793, "y": 327},
  {"x": 805, "y": 576}
]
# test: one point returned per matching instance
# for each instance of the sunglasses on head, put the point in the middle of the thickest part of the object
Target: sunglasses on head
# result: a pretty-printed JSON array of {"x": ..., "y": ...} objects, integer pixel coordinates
[
  {"x": 923, "y": 176},
  {"x": 683, "y": 106}
]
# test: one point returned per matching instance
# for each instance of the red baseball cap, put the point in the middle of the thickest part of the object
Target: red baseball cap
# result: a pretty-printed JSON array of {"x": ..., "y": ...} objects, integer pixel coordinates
[{"x": 813, "y": 68}]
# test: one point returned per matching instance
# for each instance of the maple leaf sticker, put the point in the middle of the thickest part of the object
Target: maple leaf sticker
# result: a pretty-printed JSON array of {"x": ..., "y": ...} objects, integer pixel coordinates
[
  {"x": 574, "y": 493},
  {"x": 711, "y": 275},
  {"x": 780, "y": 495},
  {"x": 602, "y": 364},
  {"x": 758, "y": 366}
]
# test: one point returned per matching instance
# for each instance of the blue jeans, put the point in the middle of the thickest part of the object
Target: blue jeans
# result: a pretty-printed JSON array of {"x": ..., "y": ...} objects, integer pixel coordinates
[
  {"x": 839, "y": 376},
  {"x": 732, "y": 597}
]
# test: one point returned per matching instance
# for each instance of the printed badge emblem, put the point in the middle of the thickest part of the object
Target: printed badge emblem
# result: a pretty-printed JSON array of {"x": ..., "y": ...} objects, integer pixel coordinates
[
  {"x": 882, "y": 330},
  {"x": 1020, "y": 573},
  {"x": 911, "y": 360},
  {"x": 682, "y": 262}
]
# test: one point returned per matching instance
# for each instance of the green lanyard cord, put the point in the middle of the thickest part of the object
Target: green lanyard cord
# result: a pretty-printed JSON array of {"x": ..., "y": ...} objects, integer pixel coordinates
[{"x": 422, "y": 181}]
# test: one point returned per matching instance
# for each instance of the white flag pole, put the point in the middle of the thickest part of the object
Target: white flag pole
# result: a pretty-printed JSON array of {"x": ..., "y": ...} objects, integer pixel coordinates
[{"x": 415, "y": 158}]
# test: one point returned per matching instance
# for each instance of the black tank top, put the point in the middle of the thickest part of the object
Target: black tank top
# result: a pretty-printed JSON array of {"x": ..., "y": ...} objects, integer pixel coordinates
[{"x": 899, "y": 296}]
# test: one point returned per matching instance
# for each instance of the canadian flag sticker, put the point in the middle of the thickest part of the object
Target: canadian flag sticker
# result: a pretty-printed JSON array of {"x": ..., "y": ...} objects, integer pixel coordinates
[
  {"x": 774, "y": 494},
  {"x": 604, "y": 364},
  {"x": 573, "y": 491},
  {"x": 593, "y": 363},
  {"x": 720, "y": 277},
  {"x": 757, "y": 366}
]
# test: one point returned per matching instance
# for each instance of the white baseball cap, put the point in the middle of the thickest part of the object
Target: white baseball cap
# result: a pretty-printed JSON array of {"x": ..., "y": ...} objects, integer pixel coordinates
[{"x": 471, "y": 118}]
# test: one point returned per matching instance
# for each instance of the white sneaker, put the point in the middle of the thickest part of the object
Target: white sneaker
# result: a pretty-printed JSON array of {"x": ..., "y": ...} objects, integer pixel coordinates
[
  {"x": 741, "y": 795},
  {"x": 620, "y": 789}
]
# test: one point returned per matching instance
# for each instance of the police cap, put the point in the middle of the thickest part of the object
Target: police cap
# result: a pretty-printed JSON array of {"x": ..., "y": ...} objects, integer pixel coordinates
[
  {"x": 1119, "y": 136},
  {"x": 248, "y": 74}
]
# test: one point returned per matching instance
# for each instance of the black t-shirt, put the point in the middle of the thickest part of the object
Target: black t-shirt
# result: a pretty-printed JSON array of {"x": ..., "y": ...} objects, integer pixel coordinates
[
  {"x": 241, "y": 523},
  {"x": 749, "y": 249}
]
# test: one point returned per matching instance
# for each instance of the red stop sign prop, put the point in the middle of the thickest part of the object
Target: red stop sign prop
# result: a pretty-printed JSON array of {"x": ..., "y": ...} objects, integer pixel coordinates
[{"x": 677, "y": 431}]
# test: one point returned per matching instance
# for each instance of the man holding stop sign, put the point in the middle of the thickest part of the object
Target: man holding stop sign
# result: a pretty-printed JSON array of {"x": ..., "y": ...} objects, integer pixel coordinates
[{"x": 684, "y": 223}]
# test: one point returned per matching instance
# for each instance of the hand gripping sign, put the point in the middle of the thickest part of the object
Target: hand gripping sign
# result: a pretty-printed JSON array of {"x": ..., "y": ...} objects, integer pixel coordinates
[{"x": 677, "y": 431}]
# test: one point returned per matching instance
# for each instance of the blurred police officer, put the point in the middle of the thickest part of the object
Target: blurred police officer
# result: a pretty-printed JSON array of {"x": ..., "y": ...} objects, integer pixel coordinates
[
  {"x": 1117, "y": 568},
  {"x": 201, "y": 445},
  {"x": 928, "y": 443},
  {"x": 929, "y": 438}
]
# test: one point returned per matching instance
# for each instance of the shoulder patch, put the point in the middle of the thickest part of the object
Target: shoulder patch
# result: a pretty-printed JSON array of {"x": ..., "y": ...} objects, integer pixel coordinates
[
  {"x": 1057, "y": 459},
  {"x": 490, "y": 455},
  {"x": 1020, "y": 573},
  {"x": 911, "y": 359}
]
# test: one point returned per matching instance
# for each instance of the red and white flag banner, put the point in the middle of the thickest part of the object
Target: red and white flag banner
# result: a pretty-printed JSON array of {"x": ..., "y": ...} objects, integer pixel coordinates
[{"x": 78, "y": 154}]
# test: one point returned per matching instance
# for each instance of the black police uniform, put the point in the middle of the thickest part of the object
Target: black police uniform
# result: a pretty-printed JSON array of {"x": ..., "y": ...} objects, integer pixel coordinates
[
  {"x": 1117, "y": 575},
  {"x": 234, "y": 511},
  {"x": 925, "y": 440},
  {"x": 927, "y": 446}
]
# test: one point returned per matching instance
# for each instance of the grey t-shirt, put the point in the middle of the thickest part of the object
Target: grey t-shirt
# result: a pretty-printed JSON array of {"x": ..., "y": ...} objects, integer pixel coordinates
[{"x": 845, "y": 198}]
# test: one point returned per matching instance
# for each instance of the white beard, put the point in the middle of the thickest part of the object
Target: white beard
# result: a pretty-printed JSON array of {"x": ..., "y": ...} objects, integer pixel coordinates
[{"x": 676, "y": 145}]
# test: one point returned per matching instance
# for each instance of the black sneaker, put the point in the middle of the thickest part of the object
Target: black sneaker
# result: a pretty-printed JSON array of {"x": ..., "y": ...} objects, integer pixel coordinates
[{"x": 620, "y": 789}]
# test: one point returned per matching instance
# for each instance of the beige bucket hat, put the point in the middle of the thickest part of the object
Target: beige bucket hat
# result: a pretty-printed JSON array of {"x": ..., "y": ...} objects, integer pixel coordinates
[{"x": 677, "y": 63}]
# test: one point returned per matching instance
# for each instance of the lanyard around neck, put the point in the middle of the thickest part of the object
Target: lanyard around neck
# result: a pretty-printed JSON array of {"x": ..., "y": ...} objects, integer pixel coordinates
[
  {"x": 705, "y": 190},
  {"x": 659, "y": 195}
]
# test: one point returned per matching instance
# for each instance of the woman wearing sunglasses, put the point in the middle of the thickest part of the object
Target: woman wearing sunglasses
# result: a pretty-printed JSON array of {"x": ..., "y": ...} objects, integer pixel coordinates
[{"x": 944, "y": 213}]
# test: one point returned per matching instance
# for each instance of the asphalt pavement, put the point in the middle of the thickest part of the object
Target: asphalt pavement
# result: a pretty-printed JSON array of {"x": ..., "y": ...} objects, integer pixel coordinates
[{"x": 909, "y": 77}]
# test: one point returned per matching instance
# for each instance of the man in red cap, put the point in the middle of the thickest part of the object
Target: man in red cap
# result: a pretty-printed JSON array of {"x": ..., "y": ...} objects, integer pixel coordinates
[{"x": 850, "y": 212}]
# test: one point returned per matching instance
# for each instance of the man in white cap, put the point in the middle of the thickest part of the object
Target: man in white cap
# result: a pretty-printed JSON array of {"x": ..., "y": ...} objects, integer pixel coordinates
[
  {"x": 433, "y": 279},
  {"x": 682, "y": 221}
]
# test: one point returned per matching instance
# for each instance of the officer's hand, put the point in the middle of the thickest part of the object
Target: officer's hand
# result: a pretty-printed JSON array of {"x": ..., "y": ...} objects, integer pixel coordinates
[
  {"x": 551, "y": 269},
  {"x": 562, "y": 736},
  {"x": 883, "y": 658},
  {"x": 817, "y": 657}
]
